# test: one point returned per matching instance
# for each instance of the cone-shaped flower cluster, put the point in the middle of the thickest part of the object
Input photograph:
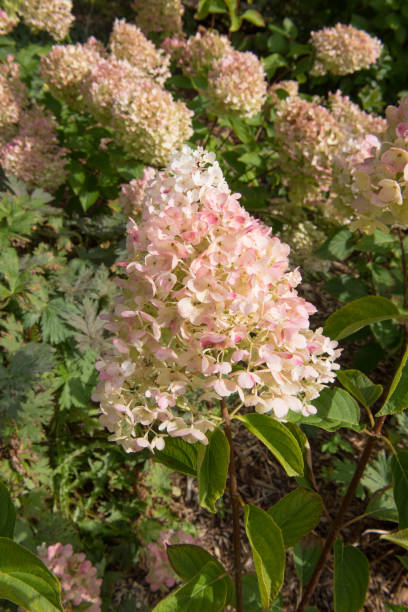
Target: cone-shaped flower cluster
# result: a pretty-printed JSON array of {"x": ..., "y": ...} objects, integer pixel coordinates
[
  {"x": 7, "y": 23},
  {"x": 291, "y": 88},
  {"x": 315, "y": 142},
  {"x": 13, "y": 97},
  {"x": 196, "y": 54},
  {"x": 127, "y": 42},
  {"x": 161, "y": 575},
  {"x": 207, "y": 305},
  {"x": 34, "y": 155},
  {"x": 53, "y": 16},
  {"x": 77, "y": 575},
  {"x": 382, "y": 180},
  {"x": 343, "y": 49},
  {"x": 121, "y": 93},
  {"x": 306, "y": 135},
  {"x": 237, "y": 84},
  {"x": 163, "y": 16}
]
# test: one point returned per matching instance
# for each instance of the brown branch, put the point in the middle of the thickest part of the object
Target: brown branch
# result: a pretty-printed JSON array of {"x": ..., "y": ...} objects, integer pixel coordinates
[
  {"x": 338, "y": 520},
  {"x": 235, "y": 504}
]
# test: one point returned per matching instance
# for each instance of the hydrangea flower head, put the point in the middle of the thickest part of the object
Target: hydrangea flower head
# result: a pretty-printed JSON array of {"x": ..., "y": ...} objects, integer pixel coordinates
[
  {"x": 132, "y": 194},
  {"x": 127, "y": 42},
  {"x": 13, "y": 96},
  {"x": 207, "y": 305},
  {"x": 237, "y": 84},
  {"x": 343, "y": 49},
  {"x": 53, "y": 16},
  {"x": 77, "y": 575},
  {"x": 196, "y": 54},
  {"x": 160, "y": 574},
  {"x": 381, "y": 180},
  {"x": 34, "y": 155},
  {"x": 163, "y": 16},
  {"x": 291, "y": 88},
  {"x": 7, "y": 23}
]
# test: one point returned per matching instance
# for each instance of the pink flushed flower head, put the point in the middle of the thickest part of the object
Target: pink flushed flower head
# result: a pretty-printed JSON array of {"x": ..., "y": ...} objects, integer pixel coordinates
[
  {"x": 307, "y": 135},
  {"x": 66, "y": 69},
  {"x": 7, "y": 23},
  {"x": 76, "y": 574},
  {"x": 53, "y": 16},
  {"x": 33, "y": 155},
  {"x": 132, "y": 194},
  {"x": 343, "y": 49},
  {"x": 196, "y": 54},
  {"x": 161, "y": 575},
  {"x": 381, "y": 181},
  {"x": 237, "y": 84},
  {"x": 207, "y": 305},
  {"x": 163, "y": 16},
  {"x": 13, "y": 97},
  {"x": 127, "y": 42}
]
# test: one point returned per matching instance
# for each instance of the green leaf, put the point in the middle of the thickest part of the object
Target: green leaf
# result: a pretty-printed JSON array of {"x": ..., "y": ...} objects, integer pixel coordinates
[
  {"x": 359, "y": 313},
  {"x": 296, "y": 514},
  {"x": 179, "y": 456},
  {"x": 242, "y": 129},
  {"x": 359, "y": 385},
  {"x": 335, "y": 408},
  {"x": 306, "y": 554},
  {"x": 398, "y": 537},
  {"x": 188, "y": 559},
  {"x": 339, "y": 246},
  {"x": 254, "y": 17},
  {"x": 389, "y": 607},
  {"x": 351, "y": 577},
  {"x": 272, "y": 62},
  {"x": 25, "y": 580},
  {"x": 268, "y": 552},
  {"x": 7, "y": 513},
  {"x": 397, "y": 398},
  {"x": 379, "y": 242},
  {"x": 210, "y": 6},
  {"x": 212, "y": 469},
  {"x": 399, "y": 467},
  {"x": 88, "y": 198},
  {"x": 206, "y": 591},
  {"x": 345, "y": 288},
  {"x": 280, "y": 441}
]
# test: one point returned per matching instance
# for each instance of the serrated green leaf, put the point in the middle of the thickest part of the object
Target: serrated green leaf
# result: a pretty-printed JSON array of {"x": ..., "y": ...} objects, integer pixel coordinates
[
  {"x": 7, "y": 513},
  {"x": 278, "y": 439},
  {"x": 296, "y": 514},
  {"x": 359, "y": 313},
  {"x": 26, "y": 581},
  {"x": 212, "y": 469},
  {"x": 345, "y": 288},
  {"x": 206, "y": 591},
  {"x": 397, "y": 398},
  {"x": 268, "y": 552},
  {"x": 179, "y": 456},
  {"x": 351, "y": 577},
  {"x": 359, "y": 385}
]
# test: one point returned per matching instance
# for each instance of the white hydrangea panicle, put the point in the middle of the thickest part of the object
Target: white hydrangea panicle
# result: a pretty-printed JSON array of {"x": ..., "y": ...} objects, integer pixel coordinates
[
  {"x": 207, "y": 308},
  {"x": 7, "y": 23},
  {"x": 162, "y": 16},
  {"x": 13, "y": 98},
  {"x": 343, "y": 49},
  {"x": 53, "y": 16},
  {"x": 237, "y": 84},
  {"x": 127, "y": 42}
]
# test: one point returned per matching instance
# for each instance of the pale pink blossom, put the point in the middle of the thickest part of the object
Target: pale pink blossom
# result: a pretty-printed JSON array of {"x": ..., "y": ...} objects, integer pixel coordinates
[
  {"x": 77, "y": 576},
  {"x": 13, "y": 97},
  {"x": 207, "y": 305},
  {"x": 132, "y": 194},
  {"x": 53, "y": 16},
  {"x": 237, "y": 84},
  {"x": 343, "y": 49},
  {"x": 163, "y": 16},
  {"x": 7, "y": 23},
  {"x": 161, "y": 575}
]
